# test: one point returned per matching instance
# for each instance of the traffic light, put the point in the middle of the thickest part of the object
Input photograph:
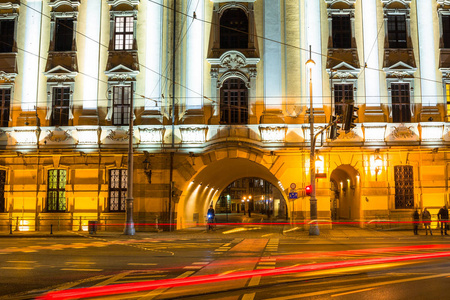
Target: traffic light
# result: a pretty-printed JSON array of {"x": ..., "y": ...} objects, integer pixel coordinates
[
  {"x": 333, "y": 132},
  {"x": 308, "y": 190},
  {"x": 350, "y": 117}
]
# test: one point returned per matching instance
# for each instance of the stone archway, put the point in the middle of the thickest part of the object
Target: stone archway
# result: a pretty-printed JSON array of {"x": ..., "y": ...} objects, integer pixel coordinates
[
  {"x": 205, "y": 187},
  {"x": 345, "y": 202}
]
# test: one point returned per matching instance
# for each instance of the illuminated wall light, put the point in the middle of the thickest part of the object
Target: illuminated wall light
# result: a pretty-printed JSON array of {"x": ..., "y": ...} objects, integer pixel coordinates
[{"x": 23, "y": 225}]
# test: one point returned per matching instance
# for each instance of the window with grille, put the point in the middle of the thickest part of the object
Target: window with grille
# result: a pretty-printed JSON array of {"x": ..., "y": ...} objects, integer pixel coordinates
[
  {"x": 234, "y": 102},
  {"x": 397, "y": 31},
  {"x": 123, "y": 33},
  {"x": 121, "y": 105},
  {"x": 401, "y": 105},
  {"x": 234, "y": 29},
  {"x": 5, "y": 105},
  {"x": 60, "y": 106},
  {"x": 342, "y": 32},
  {"x": 342, "y": 93},
  {"x": 118, "y": 189},
  {"x": 56, "y": 197},
  {"x": 63, "y": 34},
  {"x": 404, "y": 187},
  {"x": 2, "y": 190},
  {"x": 6, "y": 35}
]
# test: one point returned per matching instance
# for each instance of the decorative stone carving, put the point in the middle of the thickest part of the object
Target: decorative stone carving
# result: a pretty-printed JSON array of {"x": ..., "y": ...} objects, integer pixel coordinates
[
  {"x": 403, "y": 132},
  {"x": 58, "y": 135},
  {"x": 151, "y": 135},
  {"x": 88, "y": 136},
  {"x": 432, "y": 133},
  {"x": 25, "y": 136},
  {"x": 193, "y": 135},
  {"x": 7, "y": 77},
  {"x": 2, "y": 132},
  {"x": 374, "y": 133},
  {"x": 234, "y": 60},
  {"x": 118, "y": 135},
  {"x": 273, "y": 134}
]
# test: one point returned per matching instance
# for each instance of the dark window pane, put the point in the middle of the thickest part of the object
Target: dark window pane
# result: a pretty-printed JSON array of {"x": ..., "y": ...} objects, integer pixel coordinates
[
  {"x": 234, "y": 102},
  {"x": 342, "y": 93},
  {"x": 446, "y": 30},
  {"x": 56, "y": 194},
  {"x": 123, "y": 33},
  {"x": 2, "y": 190},
  {"x": 63, "y": 34},
  {"x": 5, "y": 105},
  {"x": 342, "y": 32},
  {"x": 6, "y": 35},
  {"x": 397, "y": 31},
  {"x": 404, "y": 187},
  {"x": 121, "y": 105},
  {"x": 401, "y": 110},
  {"x": 234, "y": 29},
  {"x": 117, "y": 189},
  {"x": 60, "y": 106}
]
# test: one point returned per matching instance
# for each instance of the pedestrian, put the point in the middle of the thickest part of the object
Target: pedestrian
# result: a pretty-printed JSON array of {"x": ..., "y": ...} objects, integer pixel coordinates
[
  {"x": 416, "y": 220},
  {"x": 443, "y": 218},
  {"x": 426, "y": 218}
]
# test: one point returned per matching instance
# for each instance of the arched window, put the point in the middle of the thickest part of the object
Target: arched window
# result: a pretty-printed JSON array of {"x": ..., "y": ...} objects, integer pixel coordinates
[
  {"x": 234, "y": 29},
  {"x": 234, "y": 102}
]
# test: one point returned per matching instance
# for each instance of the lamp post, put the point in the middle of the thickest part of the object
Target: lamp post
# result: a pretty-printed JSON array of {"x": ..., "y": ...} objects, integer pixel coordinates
[
  {"x": 313, "y": 228},
  {"x": 129, "y": 224}
]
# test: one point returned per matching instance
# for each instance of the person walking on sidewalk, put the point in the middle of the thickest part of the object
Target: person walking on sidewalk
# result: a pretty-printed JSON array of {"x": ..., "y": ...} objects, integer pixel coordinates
[
  {"x": 416, "y": 220},
  {"x": 426, "y": 218},
  {"x": 443, "y": 218}
]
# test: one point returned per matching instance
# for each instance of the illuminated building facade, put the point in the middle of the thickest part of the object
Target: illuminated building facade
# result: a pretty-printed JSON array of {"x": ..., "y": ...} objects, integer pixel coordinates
[{"x": 220, "y": 92}]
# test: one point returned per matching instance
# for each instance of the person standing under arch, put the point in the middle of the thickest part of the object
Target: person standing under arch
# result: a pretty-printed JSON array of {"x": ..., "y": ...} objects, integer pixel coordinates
[{"x": 426, "y": 218}]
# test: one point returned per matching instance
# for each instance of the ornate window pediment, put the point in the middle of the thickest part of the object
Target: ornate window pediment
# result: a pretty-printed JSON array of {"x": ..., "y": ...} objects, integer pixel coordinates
[
  {"x": 60, "y": 74},
  {"x": 400, "y": 70},
  {"x": 121, "y": 73},
  {"x": 56, "y": 4},
  {"x": 7, "y": 77}
]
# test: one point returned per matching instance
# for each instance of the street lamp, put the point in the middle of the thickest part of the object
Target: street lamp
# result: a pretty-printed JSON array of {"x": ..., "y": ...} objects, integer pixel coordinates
[
  {"x": 129, "y": 223},
  {"x": 313, "y": 228}
]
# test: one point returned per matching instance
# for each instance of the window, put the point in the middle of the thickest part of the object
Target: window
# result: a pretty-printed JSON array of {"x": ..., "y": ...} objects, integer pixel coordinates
[
  {"x": 234, "y": 102},
  {"x": 2, "y": 190},
  {"x": 5, "y": 104},
  {"x": 63, "y": 34},
  {"x": 341, "y": 30},
  {"x": 56, "y": 198},
  {"x": 404, "y": 187},
  {"x": 447, "y": 93},
  {"x": 446, "y": 30},
  {"x": 117, "y": 190},
  {"x": 60, "y": 106},
  {"x": 342, "y": 93},
  {"x": 123, "y": 33},
  {"x": 121, "y": 105},
  {"x": 234, "y": 29},
  {"x": 6, "y": 35},
  {"x": 401, "y": 110},
  {"x": 397, "y": 31}
]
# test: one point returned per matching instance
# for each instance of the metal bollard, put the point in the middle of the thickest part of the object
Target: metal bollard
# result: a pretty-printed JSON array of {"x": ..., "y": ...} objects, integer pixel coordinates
[
  {"x": 10, "y": 228},
  {"x": 51, "y": 228}
]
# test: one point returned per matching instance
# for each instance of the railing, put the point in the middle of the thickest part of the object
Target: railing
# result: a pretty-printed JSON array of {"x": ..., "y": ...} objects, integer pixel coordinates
[{"x": 55, "y": 224}]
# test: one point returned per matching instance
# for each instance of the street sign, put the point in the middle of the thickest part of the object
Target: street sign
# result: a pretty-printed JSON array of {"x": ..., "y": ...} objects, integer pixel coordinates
[
  {"x": 293, "y": 195},
  {"x": 293, "y": 186}
]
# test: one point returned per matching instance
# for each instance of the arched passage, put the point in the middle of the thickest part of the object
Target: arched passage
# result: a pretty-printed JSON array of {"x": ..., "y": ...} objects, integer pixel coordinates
[
  {"x": 345, "y": 202},
  {"x": 206, "y": 186}
]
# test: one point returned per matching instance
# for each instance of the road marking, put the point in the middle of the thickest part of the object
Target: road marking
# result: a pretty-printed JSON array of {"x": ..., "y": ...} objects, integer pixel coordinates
[
  {"x": 297, "y": 296},
  {"x": 82, "y": 270},
  {"x": 79, "y": 263},
  {"x": 21, "y": 261},
  {"x": 254, "y": 281},
  {"x": 142, "y": 264},
  {"x": 200, "y": 263},
  {"x": 193, "y": 267},
  {"x": 153, "y": 294},
  {"x": 248, "y": 296},
  {"x": 113, "y": 279},
  {"x": 352, "y": 292},
  {"x": 16, "y": 268}
]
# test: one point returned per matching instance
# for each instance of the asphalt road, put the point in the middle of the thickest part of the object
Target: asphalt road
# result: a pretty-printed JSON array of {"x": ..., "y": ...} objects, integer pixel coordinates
[{"x": 33, "y": 266}]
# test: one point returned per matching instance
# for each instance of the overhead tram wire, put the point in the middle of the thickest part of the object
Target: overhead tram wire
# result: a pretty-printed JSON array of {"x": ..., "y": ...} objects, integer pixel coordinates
[{"x": 213, "y": 24}]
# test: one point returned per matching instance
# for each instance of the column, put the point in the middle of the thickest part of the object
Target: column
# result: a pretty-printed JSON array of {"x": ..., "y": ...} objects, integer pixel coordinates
[
  {"x": 194, "y": 57},
  {"x": 272, "y": 56},
  {"x": 427, "y": 51},
  {"x": 91, "y": 54},
  {"x": 153, "y": 54},
  {"x": 370, "y": 31},
  {"x": 31, "y": 54},
  {"x": 313, "y": 36}
]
